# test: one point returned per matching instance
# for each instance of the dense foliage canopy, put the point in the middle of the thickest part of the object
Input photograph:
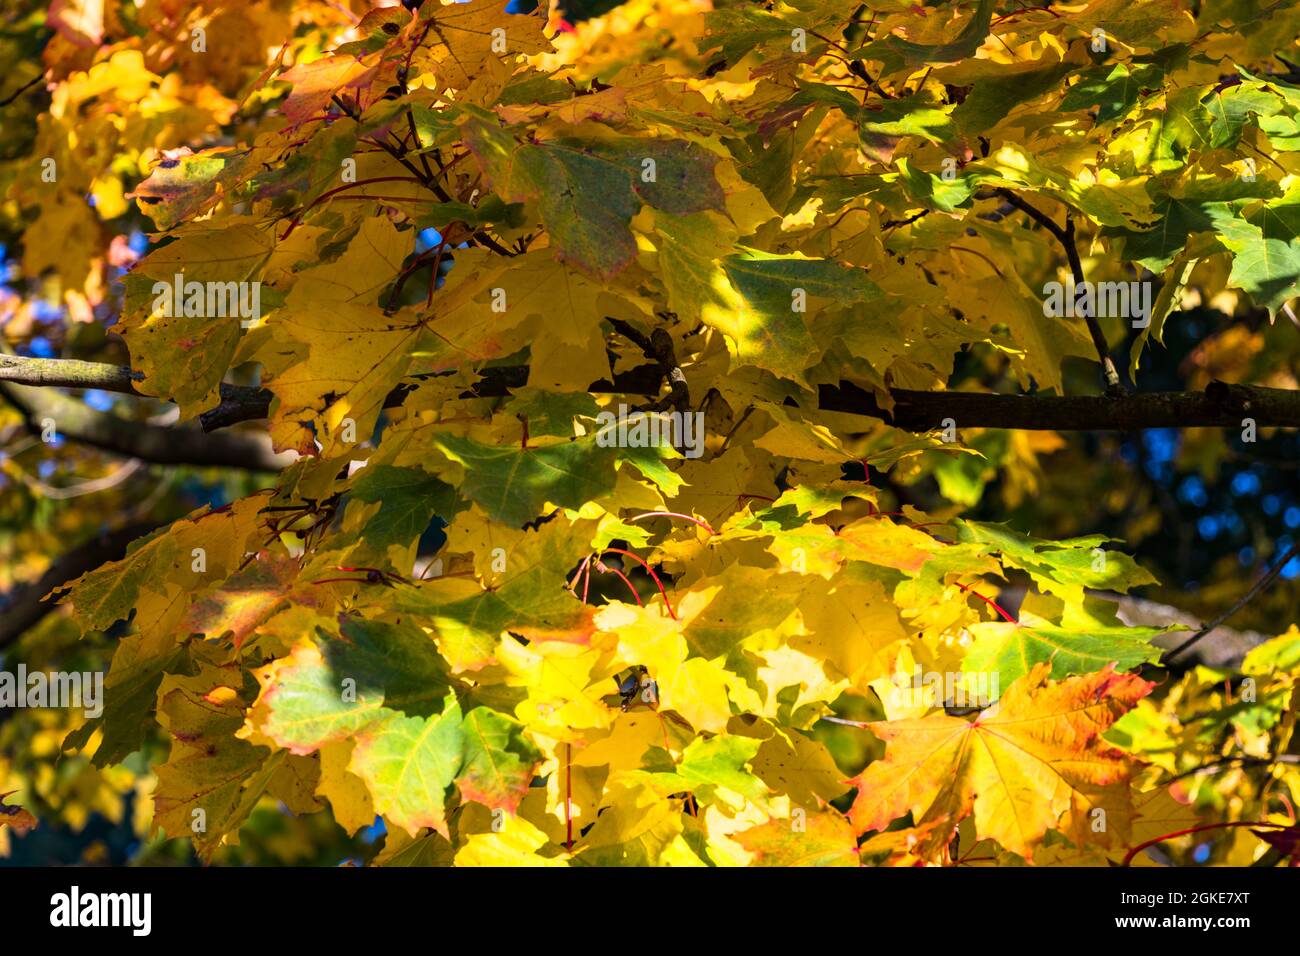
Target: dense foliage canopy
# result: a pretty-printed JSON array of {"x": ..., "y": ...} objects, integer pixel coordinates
[{"x": 672, "y": 432}]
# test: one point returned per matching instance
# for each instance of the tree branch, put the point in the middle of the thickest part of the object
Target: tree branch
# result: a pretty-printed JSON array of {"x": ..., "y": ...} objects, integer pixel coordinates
[
  {"x": 496, "y": 382},
  {"x": 68, "y": 373},
  {"x": 1243, "y": 760},
  {"x": 22, "y": 89},
  {"x": 1223, "y": 648},
  {"x": 1220, "y": 406},
  {"x": 73, "y": 373},
  {"x": 24, "y": 606},
  {"x": 183, "y": 445},
  {"x": 658, "y": 347}
]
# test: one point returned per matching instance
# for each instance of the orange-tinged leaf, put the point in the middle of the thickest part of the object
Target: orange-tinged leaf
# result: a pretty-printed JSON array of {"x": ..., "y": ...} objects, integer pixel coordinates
[
  {"x": 15, "y": 816},
  {"x": 249, "y": 598},
  {"x": 1032, "y": 763},
  {"x": 499, "y": 760},
  {"x": 316, "y": 83},
  {"x": 409, "y": 763}
]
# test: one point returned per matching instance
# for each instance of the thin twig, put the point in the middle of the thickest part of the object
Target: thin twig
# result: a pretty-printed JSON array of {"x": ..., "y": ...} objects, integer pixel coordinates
[
  {"x": 861, "y": 724},
  {"x": 1239, "y": 760},
  {"x": 1245, "y": 599},
  {"x": 1065, "y": 236},
  {"x": 399, "y": 153},
  {"x": 21, "y": 90}
]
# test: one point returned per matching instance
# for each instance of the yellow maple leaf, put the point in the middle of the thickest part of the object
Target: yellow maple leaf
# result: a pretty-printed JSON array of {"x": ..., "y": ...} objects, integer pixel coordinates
[{"x": 1034, "y": 762}]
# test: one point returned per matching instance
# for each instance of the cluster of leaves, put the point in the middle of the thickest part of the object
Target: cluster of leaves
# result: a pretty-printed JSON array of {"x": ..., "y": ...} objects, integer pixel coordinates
[{"x": 466, "y": 611}]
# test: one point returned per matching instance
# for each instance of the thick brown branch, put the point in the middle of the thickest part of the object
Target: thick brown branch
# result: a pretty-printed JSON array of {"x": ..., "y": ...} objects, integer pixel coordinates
[
  {"x": 182, "y": 445},
  {"x": 67, "y": 373},
  {"x": 250, "y": 404},
  {"x": 73, "y": 373},
  {"x": 24, "y": 606},
  {"x": 1219, "y": 406},
  {"x": 179, "y": 445}
]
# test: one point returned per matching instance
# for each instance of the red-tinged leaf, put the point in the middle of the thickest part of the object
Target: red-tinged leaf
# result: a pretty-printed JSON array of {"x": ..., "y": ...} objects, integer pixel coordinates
[{"x": 249, "y": 598}]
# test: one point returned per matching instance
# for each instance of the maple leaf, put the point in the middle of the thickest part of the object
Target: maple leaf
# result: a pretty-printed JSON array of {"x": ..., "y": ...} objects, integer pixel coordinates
[
  {"x": 527, "y": 597},
  {"x": 248, "y": 599},
  {"x": 1011, "y": 650},
  {"x": 212, "y": 779},
  {"x": 1035, "y": 762},
  {"x": 130, "y": 696},
  {"x": 588, "y": 191},
  {"x": 348, "y": 796},
  {"x": 307, "y": 700},
  {"x": 316, "y": 83},
  {"x": 154, "y": 577},
  {"x": 818, "y": 839},
  {"x": 187, "y": 182},
  {"x": 409, "y": 763},
  {"x": 499, "y": 761},
  {"x": 460, "y": 37},
  {"x": 520, "y": 635}
]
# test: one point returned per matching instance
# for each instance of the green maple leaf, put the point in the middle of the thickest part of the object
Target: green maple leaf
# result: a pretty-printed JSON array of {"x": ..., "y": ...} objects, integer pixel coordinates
[
  {"x": 527, "y": 597},
  {"x": 498, "y": 760},
  {"x": 409, "y": 764},
  {"x": 1011, "y": 650},
  {"x": 1266, "y": 255},
  {"x": 408, "y": 500},
  {"x": 588, "y": 190},
  {"x": 1061, "y": 567},
  {"x": 778, "y": 294},
  {"x": 330, "y": 688},
  {"x": 1112, "y": 90},
  {"x": 719, "y": 762},
  {"x": 896, "y": 53},
  {"x": 512, "y": 484}
]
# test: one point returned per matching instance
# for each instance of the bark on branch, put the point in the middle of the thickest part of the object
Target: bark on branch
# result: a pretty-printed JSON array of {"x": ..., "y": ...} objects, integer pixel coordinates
[
  {"x": 67, "y": 373},
  {"x": 1220, "y": 405},
  {"x": 25, "y": 605},
  {"x": 658, "y": 347},
  {"x": 157, "y": 444}
]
